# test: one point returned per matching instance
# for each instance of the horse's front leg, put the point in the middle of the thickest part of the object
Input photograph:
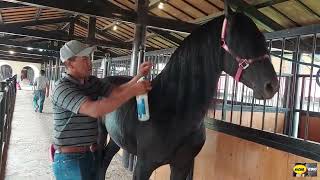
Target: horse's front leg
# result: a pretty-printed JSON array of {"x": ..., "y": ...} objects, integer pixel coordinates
[
  {"x": 181, "y": 171},
  {"x": 183, "y": 161},
  {"x": 143, "y": 169},
  {"x": 109, "y": 151}
]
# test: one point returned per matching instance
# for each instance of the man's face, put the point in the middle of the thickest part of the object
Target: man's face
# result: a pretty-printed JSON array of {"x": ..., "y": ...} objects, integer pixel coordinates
[{"x": 81, "y": 66}]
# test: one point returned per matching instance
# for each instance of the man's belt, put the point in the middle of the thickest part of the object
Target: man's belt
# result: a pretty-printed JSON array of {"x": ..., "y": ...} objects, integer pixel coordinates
[{"x": 76, "y": 149}]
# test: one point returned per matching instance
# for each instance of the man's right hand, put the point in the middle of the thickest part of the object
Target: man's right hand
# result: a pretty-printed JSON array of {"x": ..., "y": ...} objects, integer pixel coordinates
[{"x": 141, "y": 87}]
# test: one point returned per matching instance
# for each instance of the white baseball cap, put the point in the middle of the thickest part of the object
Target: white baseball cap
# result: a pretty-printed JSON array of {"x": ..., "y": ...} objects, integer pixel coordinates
[{"x": 75, "y": 48}]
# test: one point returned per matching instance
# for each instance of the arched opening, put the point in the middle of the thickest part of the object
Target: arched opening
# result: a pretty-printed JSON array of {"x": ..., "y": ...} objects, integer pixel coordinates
[
  {"x": 27, "y": 75},
  {"x": 5, "y": 72}
]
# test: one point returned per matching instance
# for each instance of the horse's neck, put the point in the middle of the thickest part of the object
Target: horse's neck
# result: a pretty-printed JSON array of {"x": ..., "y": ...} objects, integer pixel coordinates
[
  {"x": 188, "y": 85},
  {"x": 189, "y": 80}
]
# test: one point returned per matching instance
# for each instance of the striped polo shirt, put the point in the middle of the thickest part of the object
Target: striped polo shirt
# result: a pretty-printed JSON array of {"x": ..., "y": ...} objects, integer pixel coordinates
[{"x": 70, "y": 127}]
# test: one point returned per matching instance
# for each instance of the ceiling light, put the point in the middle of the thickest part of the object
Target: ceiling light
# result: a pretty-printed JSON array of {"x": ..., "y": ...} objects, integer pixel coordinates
[
  {"x": 115, "y": 28},
  {"x": 11, "y": 52},
  {"x": 160, "y": 6},
  {"x": 29, "y": 48},
  {"x": 40, "y": 50}
]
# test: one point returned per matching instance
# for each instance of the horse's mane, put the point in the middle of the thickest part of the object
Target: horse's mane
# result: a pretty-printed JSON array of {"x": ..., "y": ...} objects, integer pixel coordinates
[{"x": 188, "y": 81}]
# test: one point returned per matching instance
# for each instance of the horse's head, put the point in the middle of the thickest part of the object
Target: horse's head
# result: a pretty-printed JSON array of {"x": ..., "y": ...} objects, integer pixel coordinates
[{"x": 247, "y": 57}]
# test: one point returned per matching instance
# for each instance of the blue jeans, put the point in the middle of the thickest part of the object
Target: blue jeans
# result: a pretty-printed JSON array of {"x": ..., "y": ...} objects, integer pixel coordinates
[
  {"x": 75, "y": 166},
  {"x": 38, "y": 99}
]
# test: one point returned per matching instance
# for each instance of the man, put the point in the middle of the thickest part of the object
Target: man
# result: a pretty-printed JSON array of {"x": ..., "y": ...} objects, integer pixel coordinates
[
  {"x": 41, "y": 85},
  {"x": 77, "y": 108}
]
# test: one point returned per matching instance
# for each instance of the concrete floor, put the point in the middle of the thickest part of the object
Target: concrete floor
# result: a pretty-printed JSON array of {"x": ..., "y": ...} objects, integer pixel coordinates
[{"x": 28, "y": 157}]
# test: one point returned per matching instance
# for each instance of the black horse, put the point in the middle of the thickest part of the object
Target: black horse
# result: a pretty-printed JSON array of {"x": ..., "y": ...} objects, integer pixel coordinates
[{"x": 181, "y": 95}]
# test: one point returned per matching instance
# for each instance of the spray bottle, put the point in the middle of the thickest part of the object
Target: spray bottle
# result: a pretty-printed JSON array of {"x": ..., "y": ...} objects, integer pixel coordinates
[{"x": 143, "y": 105}]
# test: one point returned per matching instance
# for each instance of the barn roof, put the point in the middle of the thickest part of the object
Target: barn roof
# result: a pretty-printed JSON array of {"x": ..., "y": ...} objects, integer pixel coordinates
[{"x": 47, "y": 24}]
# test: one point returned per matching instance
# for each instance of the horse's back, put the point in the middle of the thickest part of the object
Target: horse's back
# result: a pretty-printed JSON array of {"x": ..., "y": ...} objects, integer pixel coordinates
[{"x": 121, "y": 124}]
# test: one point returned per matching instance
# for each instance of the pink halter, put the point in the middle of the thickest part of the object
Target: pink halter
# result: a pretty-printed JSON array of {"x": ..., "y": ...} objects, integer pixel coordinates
[{"x": 243, "y": 63}]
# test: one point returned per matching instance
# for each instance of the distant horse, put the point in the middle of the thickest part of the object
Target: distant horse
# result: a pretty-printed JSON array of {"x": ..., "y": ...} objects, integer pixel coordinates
[{"x": 181, "y": 95}]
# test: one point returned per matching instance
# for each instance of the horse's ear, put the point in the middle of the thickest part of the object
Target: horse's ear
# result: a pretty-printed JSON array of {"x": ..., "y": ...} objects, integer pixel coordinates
[{"x": 227, "y": 9}]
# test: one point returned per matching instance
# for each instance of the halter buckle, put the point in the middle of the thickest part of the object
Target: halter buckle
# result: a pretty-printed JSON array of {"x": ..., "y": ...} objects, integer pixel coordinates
[{"x": 244, "y": 64}]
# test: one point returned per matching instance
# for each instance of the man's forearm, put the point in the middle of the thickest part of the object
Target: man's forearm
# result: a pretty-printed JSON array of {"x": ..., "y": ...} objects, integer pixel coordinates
[
  {"x": 131, "y": 82},
  {"x": 106, "y": 105},
  {"x": 122, "y": 87}
]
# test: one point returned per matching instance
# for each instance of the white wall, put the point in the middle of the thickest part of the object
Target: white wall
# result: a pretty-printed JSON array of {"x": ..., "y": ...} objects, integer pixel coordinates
[{"x": 17, "y": 66}]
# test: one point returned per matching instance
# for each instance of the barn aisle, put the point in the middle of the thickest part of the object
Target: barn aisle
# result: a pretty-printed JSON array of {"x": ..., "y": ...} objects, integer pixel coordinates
[{"x": 28, "y": 157}]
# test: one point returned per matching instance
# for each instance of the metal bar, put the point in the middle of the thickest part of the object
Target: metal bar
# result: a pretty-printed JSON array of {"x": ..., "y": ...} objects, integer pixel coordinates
[
  {"x": 319, "y": 105},
  {"x": 306, "y": 130},
  {"x": 241, "y": 104},
  {"x": 294, "y": 32},
  {"x": 280, "y": 72},
  {"x": 314, "y": 97},
  {"x": 295, "y": 117},
  {"x": 252, "y": 106},
  {"x": 263, "y": 114},
  {"x": 225, "y": 98},
  {"x": 215, "y": 101},
  {"x": 232, "y": 98},
  {"x": 303, "y": 63},
  {"x": 140, "y": 36},
  {"x": 264, "y": 101},
  {"x": 302, "y": 92}
]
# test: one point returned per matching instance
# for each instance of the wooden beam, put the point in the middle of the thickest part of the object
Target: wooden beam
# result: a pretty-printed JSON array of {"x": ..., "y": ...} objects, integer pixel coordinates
[
  {"x": 71, "y": 28},
  {"x": 167, "y": 36},
  {"x": 21, "y": 55},
  {"x": 92, "y": 28},
  {"x": 1, "y": 19},
  {"x": 308, "y": 8},
  {"x": 108, "y": 10},
  {"x": 21, "y": 59},
  {"x": 4, "y": 4},
  {"x": 269, "y": 3},
  {"x": 35, "y": 23},
  {"x": 38, "y": 14},
  {"x": 107, "y": 51},
  {"x": 254, "y": 13},
  {"x": 98, "y": 8},
  {"x": 109, "y": 26},
  {"x": 149, "y": 35},
  {"x": 208, "y": 18},
  {"x": 153, "y": 4},
  {"x": 49, "y": 49},
  {"x": 100, "y": 32},
  {"x": 61, "y": 36},
  {"x": 18, "y": 47}
]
